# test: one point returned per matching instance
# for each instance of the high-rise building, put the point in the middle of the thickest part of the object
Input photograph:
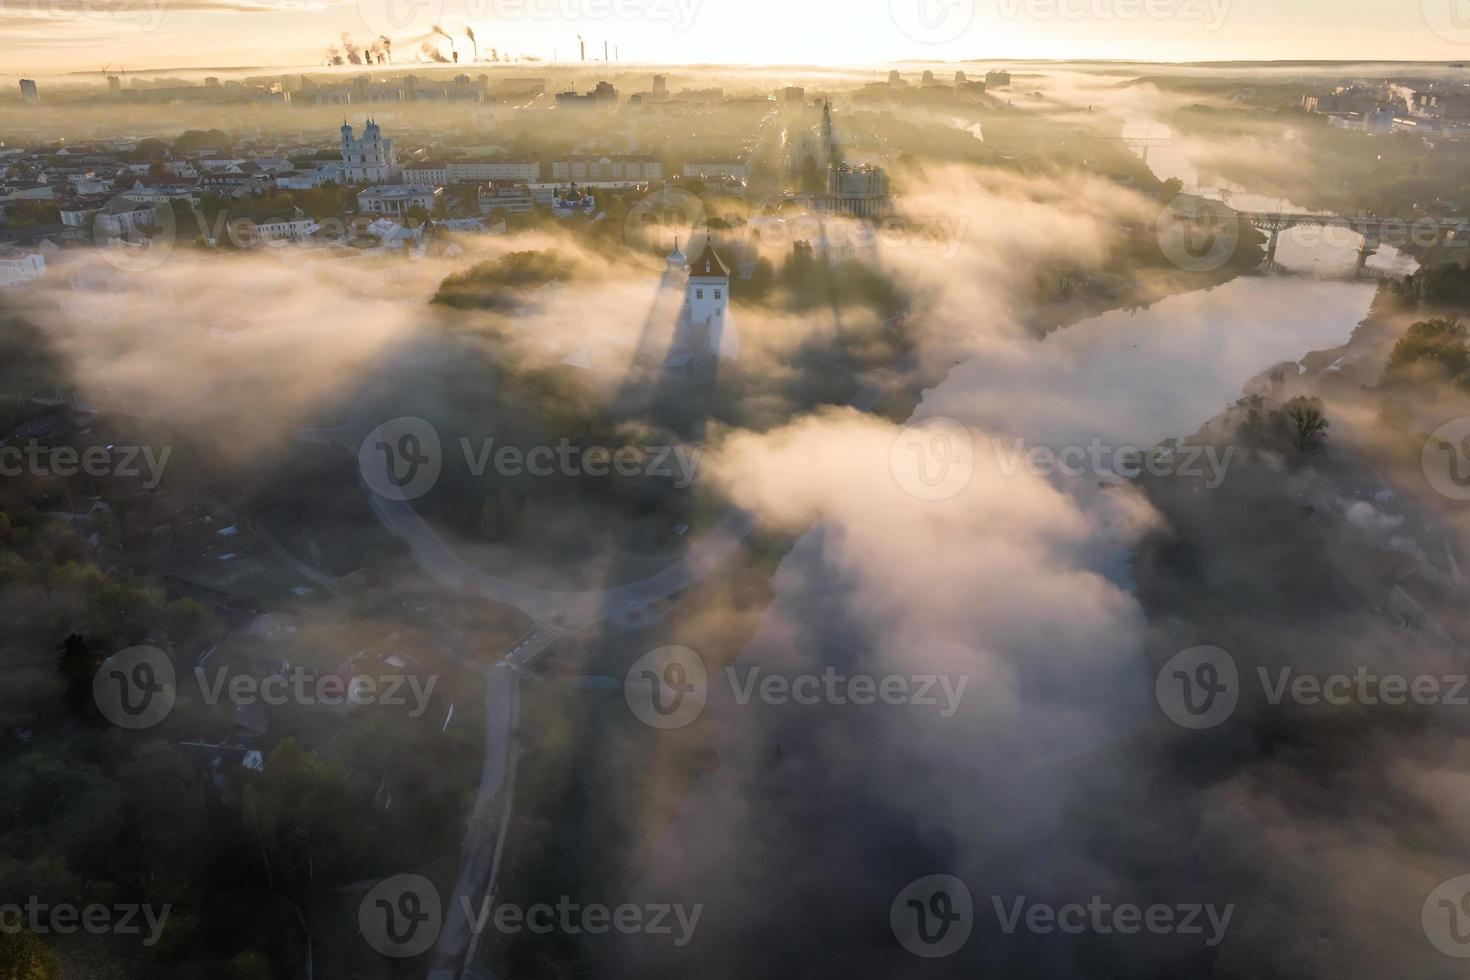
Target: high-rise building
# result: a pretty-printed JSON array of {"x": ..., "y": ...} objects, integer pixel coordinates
[
  {"x": 28, "y": 91},
  {"x": 114, "y": 84}
]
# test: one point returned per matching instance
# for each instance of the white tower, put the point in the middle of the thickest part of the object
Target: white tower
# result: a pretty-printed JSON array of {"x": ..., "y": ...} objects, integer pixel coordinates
[{"x": 708, "y": 300}]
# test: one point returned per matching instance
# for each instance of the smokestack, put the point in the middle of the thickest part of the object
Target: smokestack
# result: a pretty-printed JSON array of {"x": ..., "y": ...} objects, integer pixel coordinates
[
  {"x": 583, "y": 45},
  {"x": 604, "y": 50}
]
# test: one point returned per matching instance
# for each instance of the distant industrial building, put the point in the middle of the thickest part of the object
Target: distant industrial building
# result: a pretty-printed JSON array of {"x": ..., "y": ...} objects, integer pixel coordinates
[
  {"x": 29, "y": 92},
  {"x": 603, "y": 95}
]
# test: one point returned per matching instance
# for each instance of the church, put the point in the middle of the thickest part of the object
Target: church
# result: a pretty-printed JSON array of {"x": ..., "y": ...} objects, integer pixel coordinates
[
  {"x": 368, "y": 159},
  {"x": 704, "y": 328},
  {"x": 814, "y": 150}
]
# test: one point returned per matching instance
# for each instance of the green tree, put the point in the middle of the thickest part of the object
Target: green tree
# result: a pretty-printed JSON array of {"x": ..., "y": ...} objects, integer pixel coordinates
[
  {"x": 1303, "y": 424},
  {"x": 1435, "y": 347},
  {"x": 77, "y": 666},
  {"x": 24, "y": 957},
  {"x": 249, "y": 965}
]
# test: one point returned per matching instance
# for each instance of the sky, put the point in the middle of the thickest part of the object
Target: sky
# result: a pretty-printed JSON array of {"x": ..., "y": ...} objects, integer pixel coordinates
[{"x": 42, "y": 37}]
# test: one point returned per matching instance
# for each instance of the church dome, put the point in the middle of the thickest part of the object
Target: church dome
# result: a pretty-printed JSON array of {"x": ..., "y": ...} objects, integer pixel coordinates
[{"x": 677, "y": 259}]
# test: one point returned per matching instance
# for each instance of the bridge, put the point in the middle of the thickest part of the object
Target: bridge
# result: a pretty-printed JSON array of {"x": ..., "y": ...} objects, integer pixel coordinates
[
  {"x": 1140, "y": 143},
  {"x": 1372, "y": 230}
]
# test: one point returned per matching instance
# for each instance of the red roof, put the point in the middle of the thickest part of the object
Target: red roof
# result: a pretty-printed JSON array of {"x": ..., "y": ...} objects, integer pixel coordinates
[{"x": 709, "y": 264}]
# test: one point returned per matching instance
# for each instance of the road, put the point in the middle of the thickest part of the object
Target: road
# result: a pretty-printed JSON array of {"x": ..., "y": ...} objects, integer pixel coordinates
[
  {"x": 554, "y": 614},
  {"x": 485, "y": 835}
]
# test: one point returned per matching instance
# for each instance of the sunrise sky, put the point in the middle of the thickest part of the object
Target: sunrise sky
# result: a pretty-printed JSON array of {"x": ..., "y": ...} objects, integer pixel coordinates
[{"x": 43, "y": 37}]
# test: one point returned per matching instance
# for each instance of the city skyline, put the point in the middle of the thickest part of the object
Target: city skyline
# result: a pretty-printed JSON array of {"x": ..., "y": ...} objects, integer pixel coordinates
[{"x": 63, "y": 36}]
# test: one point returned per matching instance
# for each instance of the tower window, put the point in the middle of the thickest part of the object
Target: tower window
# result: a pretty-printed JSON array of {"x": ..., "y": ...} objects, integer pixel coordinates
[
  {"x": 717, "y": 294},
  {"x": 699, "y": 294}
]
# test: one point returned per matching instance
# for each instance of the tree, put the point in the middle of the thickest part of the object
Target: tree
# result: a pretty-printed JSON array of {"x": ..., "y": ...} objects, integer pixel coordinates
[
  {"x": 1436, "y": 345},
  {"x": 24, "y": 957},
  {"x": 1304, "y": 425},
  {"x": 77, "y": 666},
  {"x": 249, "y": 965}
]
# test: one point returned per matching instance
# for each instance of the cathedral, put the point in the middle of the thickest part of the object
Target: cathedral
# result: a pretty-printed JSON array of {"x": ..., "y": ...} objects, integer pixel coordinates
[
  {"x": 368, "y": 159},
  {"x": 812, "y": 150}
]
